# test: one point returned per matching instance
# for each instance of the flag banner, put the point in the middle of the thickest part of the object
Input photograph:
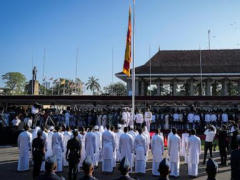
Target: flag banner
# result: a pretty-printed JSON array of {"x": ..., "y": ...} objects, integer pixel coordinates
[
  {"x": 63, "y": 82},
  {"x": 128, "y": 57},
  {"x": 44, "y": 78},
  {"x": 51, "y": 79}
]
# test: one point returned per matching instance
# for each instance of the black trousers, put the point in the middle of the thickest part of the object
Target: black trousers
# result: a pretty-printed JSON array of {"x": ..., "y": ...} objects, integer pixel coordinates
[
  {"x": 207, "y": 146},
  {"x": 37, "y": 167},
  {"x": 73, "y": 171},
  {"x": 223, "y": 154}
]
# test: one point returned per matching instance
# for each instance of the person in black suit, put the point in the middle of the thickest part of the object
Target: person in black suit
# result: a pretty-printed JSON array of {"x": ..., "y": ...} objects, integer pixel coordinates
[
  {"x": 233, "y": 143},
  {"x": 235, "y": 162},
  {"x": 50, "y": 168},
  {"x": 164, "y": 169},
  {"x": 223, "y": 144},
  {"x": 124, "y": 168},
  {"x": 211, "y": 169}
]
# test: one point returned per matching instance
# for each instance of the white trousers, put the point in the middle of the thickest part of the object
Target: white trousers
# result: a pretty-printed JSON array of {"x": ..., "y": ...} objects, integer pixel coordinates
[
  {"x": 192, "y": 169},
  {"x": 174, "y": 167},
  {"x": 140, "y": 166},
  {"x": 107, "y": 165},
  {"x": 155, "y": 166}
]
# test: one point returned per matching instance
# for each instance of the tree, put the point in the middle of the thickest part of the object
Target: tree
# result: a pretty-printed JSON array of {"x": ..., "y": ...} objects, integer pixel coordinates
[
  {"x": 93, "y": 84},
  {"x": 116, "y": 89},
  {"x": 14, "y": 82}
]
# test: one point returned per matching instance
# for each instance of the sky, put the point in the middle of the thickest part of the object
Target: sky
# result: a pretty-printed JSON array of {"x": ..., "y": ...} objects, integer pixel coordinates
[{"x": 99, "y": 27}]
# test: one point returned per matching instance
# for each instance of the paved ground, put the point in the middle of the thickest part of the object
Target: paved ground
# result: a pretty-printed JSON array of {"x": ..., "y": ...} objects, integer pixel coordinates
[{"x": 9, "y": 156}]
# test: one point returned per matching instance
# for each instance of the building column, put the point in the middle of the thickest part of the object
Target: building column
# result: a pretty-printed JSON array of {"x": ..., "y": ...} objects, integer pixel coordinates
[
  {"x": 214, "y": 89},
  {"x": 174, "y": 87},
  {"x": 128, "y": 86},
  {"x": 208, "y": 87},
  {"x": 142, "y": 87},
  {"x": 224, "y": 87},
  {"x": 145, "y": 88},
  {"x": 158, "y": 87},
  {"x": 239, "y": 87},
  {"x": 229, "y": 88},
  {"x": 191, "y": 87}
]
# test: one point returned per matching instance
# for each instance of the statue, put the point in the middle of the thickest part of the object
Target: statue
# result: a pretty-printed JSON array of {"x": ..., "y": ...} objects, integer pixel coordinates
[{"x": 34, "y": 72}]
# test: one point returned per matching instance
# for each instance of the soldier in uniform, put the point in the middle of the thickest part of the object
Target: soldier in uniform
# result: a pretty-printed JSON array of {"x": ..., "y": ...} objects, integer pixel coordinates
[
  {"x": 50, "y": 169},
  {"x": 211, "y": 170},
  {"x": 38, "y": 152},
  {"x": 235, "y": 162},
  {"x": 124, "y": 168},
  {"x": 73, "y": 155},
  {"x": 164, "y": 169},
  {"x": 88, "y": 168}
]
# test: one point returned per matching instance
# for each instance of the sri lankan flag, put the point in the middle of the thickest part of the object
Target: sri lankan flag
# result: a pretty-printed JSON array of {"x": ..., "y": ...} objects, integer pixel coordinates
[
  {"x": 63, "y": 82},
  {"x": 128, "y": 57}
]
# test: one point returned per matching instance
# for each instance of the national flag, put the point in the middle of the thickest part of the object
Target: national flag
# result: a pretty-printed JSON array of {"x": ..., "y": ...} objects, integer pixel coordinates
[
  {"x": 44, "y": 78},
  {"x": 51, "y": 79},
  {"x": 128, "y": 56},
  {"x": 63, "y": 82},
  {"x": 71, "y": 84}
]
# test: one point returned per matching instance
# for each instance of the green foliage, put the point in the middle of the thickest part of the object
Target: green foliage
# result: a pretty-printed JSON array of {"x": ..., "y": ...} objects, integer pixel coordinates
[
  {"x": 14, "y": 83},
  {"x": 93, "y": 85},
  {"x": 116, "y": 89}
]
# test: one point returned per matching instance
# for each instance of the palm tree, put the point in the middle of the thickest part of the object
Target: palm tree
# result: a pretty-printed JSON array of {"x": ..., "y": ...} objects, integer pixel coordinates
[{"x": 93, "y": 84}]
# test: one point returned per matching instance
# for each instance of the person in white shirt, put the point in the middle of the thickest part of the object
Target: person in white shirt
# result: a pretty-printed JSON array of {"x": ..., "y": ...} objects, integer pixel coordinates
[
  {"x": 175, "y": 119},
  {"x": 90, "y": 144},
  {"x": 128, "y": 117},
  {"x": 24, "y": 146},
  {"x": 6, "y": 118},
  {"x": 207, "y": 118},
  {"x": 16, "y": 121},
  {"x": 157, "y": 148},
  {"x": 104, "y": 118},
  {"x": 57, "y": 145},
  {"x": 190, "y": 119},
  {"x": 194, "y": 151},
  {"x": 140, "y": 150},
  {"x": 196, "y": 121},
  {"x": 126, "y": 146},
  {"x": 118, "y": 135},
  {"x": 108, "y": 145},
  {"x": 213, "y": 118},
  {"x": 124, "y": 117},
  {"x": 139, "y": 119},
  {"x": 224, "y": 118},
  {"x": 67, "y": 117},
  {"x": 49, "y": 146},
  {"x": 210, "y": 133},
  {"x": 98, "y": 136},
  {"x": 148, "y": 118},
  {"x": 66, "y": 136},
  {"x": 28, "y": 121},
  {"x": 185, "y": 136},
  {"x": 174, "y": 153}
]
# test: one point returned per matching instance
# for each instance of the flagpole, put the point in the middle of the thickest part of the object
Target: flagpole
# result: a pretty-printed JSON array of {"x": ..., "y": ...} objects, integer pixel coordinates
[
  {"x": 133, "y": 67},
  {"x": 112, "y": 71},
  {"x": 43, "y": 69},
  {"x": 76, "y": 71},
  {"x": 32, "y": 75},
  {"x": 200, "y": 69},
  {"x": 209, "y": 39},
  {"x": 150, "y": 70}
]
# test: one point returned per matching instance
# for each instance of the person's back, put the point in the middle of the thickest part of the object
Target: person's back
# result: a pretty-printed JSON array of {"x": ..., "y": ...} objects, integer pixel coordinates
[
  {"x": 235, "y": 162},
  {"x": 49, "y": 176}
]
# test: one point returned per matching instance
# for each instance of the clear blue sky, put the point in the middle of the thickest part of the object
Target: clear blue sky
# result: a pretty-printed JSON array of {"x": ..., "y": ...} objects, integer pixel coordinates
[{"x": 95, "y": 26}]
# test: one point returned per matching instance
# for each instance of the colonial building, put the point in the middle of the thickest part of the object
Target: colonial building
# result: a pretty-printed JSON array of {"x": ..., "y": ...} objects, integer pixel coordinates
[{"x": 194, "y": 72}]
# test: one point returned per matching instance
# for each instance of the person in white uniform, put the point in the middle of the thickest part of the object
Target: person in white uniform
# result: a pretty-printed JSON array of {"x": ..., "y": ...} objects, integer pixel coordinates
[
  {"x": 24, "y": 146},
  {"x": 45, "y": 138},
  {"x": 194, "y": 150},
  {"x": 49, "y": 143},
  {"x": 126, "y": 146},
  {"x": 66, "y": 136},
  {"x": 118, "y": 135},
  {"x": 148, "y": 118},
  {"x": 16, "y": 121},
  {"x": 139, "y": 119},
  {"x": 140, "y": 150},
  {"x": 28, "y": 121},
  {"x": 185, "y": 136},
  {"x": 115, "y": 141},
  {"x": 174, "y": 153},
  {"x": 57, "y": 145},
  {"x": 157, "y": 148},
  {"x": 90, "y": 144},
  {"x": 124, "y": 117},
  {"x": 98, "y": 139},
  {"x": 67, "y": 117},
  {"x": 108, "y": 145}
]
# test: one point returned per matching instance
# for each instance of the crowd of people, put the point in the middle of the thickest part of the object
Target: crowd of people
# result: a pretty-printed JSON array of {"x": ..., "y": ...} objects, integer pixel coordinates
[{"x": 85, "y": 138}]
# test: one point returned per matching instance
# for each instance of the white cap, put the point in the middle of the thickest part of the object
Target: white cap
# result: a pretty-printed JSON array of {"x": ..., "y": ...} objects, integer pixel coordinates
[
  {"x": 131, "y": 127},
  {"x": 51, "y": 128},
  {"x": 96, "y": 127},
  {"x": 119, "y": 125}
]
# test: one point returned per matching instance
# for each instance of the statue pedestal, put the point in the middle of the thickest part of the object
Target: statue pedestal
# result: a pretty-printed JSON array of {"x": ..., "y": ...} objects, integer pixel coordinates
[{"x": 33, "y": 87}]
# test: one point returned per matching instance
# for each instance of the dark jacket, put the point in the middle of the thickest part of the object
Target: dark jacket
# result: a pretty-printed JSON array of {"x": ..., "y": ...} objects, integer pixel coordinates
[
  {"x": 126, "y": 178},
  {"x": 235, "y": 164},
  {"x": 49, "y": 176},
  {"x": 234, "y": 144},
  {"x": 88, "y": 178},
  {"x": 222, "y": 139}
]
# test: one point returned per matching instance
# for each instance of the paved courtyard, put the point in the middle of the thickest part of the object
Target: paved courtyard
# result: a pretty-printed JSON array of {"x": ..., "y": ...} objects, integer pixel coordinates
[{"x": 9, "y": 156}]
